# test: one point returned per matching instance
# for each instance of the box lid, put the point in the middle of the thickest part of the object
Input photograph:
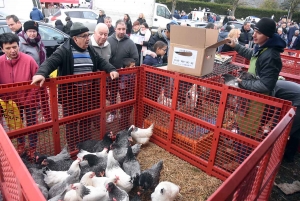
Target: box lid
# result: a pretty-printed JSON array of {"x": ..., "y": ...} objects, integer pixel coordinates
[{"x": 191, "y": 36}]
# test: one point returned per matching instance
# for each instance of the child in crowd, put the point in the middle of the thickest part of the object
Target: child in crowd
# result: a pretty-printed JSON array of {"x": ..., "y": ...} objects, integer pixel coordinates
[
  {"x": 160, "y": 49},
  {"x": 125, "y": 80}
]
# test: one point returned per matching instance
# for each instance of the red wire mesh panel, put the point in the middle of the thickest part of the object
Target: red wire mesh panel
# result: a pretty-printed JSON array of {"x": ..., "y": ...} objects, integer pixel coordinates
[
  {"x": 289, "y": 52},
  {"x": 236, "y": 57},
  {"x": 290, "y": 65}
]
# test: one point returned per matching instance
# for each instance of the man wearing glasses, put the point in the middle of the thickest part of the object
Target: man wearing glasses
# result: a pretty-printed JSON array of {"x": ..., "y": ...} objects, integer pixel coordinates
[{"x": 75, "y": 57}]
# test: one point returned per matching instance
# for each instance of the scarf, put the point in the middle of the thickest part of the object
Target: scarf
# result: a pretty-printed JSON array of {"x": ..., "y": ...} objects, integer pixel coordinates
[
  {"x": 36, "y": 42},
  {"x": 76, "y": 46}
]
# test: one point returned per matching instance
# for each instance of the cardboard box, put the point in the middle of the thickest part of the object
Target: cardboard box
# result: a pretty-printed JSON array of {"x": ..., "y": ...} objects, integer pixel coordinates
[{"x": 192, "y": 50}]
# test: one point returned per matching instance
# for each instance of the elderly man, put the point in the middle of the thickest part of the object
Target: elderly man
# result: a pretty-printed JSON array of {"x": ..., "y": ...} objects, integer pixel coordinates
[
  {"x": 282, "y": 34},
  {"x": 75, "y": 57},
  {"x": 246, "y": 34},
  {"x": 14, "y": 24},
  {"x": 99, "y": 41}
]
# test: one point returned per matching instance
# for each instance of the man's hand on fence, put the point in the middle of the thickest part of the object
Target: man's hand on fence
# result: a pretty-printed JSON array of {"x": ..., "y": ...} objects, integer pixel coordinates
[
  {"x": 114, "y": 75},
  {"x": 38, "y": 80}
]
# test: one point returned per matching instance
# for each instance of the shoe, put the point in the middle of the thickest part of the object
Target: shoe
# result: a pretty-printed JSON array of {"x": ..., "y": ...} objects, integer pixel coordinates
[
  {"x": 110, "y": 118},
  {"x": 21, "y": 148}
]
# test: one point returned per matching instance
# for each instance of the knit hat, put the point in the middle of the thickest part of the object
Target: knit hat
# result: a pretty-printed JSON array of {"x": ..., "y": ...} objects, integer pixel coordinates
[
  {"x": 266, "y": 26},
  {"x": 78, "y": 28},
  {"x": 31, "y": 25}
]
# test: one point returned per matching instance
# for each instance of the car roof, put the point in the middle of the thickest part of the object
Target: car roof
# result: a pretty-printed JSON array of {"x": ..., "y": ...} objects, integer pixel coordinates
[{"x": 77, "y": 9}]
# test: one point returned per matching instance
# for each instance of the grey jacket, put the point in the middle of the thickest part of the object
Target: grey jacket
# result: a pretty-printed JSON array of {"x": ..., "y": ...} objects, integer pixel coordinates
[
  {"x": 104, "y": 51},
  {"x": 125, "y": 48},
  {"x": 268, "y": 65},
  {"x": 30, "y": 50}
]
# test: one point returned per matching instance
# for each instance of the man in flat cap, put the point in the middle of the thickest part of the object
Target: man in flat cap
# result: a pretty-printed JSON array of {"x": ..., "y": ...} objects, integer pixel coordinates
[{"x": 75, "y": 57}]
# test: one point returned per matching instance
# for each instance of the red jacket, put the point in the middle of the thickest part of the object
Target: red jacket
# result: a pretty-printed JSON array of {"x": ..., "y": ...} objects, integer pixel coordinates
[{"x": 20, "y": 70}]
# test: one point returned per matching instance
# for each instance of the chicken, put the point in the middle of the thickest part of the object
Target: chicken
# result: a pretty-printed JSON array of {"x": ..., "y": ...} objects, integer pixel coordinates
[
  {"x": 141, "y": 136},
  {"x": 95, "y": 164},
  {"x": 137, "y": 197},
  {"x": 165, "y": 191},
  {"x": 61, "y": 196},
  {"x": 38, "y": 177},
  {"x": 230, "y": 80},
  {"x": 131, "y": 166},
  {"x": 82, "y": 152},
  {"x": 90, "y": 179},
  {"x": 136, "y": 149},
  {"x": 63, "y": 155},
  {"x": 105, "y": 143},
  {"x": 63, "y": 165},
  {"x": 87, "y": 145},
  {"x": 115, "y": 193},
  {"x": 89, "y": 193},
  {"x": 113, "y": 169},
  {"x": 59, "y": 187},
  {"x": 123, "y": 137},
  {"x": 119, "y": 151},
  {"x": 149, "y": 178},
  {"x": 54, "y": 177}
]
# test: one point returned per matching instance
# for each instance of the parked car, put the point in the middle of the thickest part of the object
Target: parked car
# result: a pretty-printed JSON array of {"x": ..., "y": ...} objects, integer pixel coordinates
[
  {"x": 236, "y": 25},
  {"x": 51, "y": 37},
  {"x": 86, "y": 16},
  {"x": 250, "y": 18}
]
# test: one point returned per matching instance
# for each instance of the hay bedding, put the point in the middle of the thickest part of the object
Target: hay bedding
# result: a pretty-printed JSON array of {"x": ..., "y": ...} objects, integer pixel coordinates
[{"x": 195, "y": 184}]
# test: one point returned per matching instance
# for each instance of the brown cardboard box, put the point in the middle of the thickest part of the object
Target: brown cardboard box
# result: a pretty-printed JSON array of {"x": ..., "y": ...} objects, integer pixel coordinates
[{"x": 192, "y": 50}]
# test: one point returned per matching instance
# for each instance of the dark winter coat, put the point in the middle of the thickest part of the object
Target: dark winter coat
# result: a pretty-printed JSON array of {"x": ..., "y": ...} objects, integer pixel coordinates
[
  {"x": 128, "y": 26},
  {"x": 101, "y": 18},
  {"x": 245, "y": 36},
  {"x": 67, "y": 27},
  {"x": 158, "y": 37},
  {"x": 149, "y": 60},
  {"x": 36, "y": 14},
  {"x": 227, "y": 48},
  {"x": 268, "y": 65},
  {"x": 59, "y": 25},
  {"x": 62, "y": 59},
  {"x": 111, "y": 30},
  {"x": 291, "y": 33},
  {"x": 125, "y": 48},
  {"x": 141, "y": 20}
]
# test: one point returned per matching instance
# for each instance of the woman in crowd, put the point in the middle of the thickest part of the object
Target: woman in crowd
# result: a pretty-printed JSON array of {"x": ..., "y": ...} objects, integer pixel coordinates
[
  {"x": 59, "y": 25},
  {"x": 146, "y": 33},
  {"x": 101, "y": 17},
  {"x": 31, "y": 42},
  {"x": 135, "y": 27},
  {"x": 141, "y": 18},
  {"x": 234, "y": 34},
  {"x": 127, "y": 20}
]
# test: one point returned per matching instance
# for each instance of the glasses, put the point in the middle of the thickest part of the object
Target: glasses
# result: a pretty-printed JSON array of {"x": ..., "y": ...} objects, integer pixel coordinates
[
  {"x": 164, "y": 50},
  {"x": 84, "y": 36}
]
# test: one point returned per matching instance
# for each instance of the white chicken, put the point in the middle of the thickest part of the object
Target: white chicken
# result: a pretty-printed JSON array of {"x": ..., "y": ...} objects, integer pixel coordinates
[
  {"x": 82, "y": 152},
  {"x": 89, "y": 193},
  {"x": 54, "y": 177},
  {"x": 141, "y": 136},
  {"x": 90, "y": 179},
  {"x": 113, "y": 170},
  {"x": 165, "y": 191}
]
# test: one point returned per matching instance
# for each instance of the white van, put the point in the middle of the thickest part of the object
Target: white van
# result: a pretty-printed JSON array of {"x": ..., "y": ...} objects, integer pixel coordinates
[{"x": 156, "y": 15}]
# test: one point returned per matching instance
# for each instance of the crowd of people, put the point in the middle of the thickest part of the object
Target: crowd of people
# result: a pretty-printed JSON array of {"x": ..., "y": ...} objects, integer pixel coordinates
[{"x": 129, "y": 44}]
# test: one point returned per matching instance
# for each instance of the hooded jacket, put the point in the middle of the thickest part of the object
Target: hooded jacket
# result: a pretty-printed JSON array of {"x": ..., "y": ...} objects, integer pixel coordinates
[
  {"x": 158, "y": 36},
  {"x": 36, "y": 14},
  {"x": 62, "y": 59},
  {"x": 268, "y": 64},
  {"x": 149, "y": 60},
  {"x": 125, "y": 48},
  {"x": 103, "y": 51}
]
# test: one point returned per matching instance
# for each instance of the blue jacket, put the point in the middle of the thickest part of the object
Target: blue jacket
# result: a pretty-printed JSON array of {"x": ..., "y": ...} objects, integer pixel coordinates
[
  {"x": 36, "y": 14},
  {"x": 149, "y": 60}
]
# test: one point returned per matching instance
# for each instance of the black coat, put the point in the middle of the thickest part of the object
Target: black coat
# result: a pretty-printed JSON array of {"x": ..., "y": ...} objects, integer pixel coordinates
[
  {"x": 128, "y": 26},
  {"x": 158, "y": 37},
  {"x": 111, "y": 30},
  {"x": 67, "y": 27},
  {"x": 245, "y": 36},
  {"x": 62, "y": 59},
  {"x": 141, "y": 20},
  {"x": 227, "y": 48},
  {"x": 101, "y": 19}
]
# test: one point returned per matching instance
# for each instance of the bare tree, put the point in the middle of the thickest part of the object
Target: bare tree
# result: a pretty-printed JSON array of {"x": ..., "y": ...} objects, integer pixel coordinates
[
  {"x": 173, "y": 6},
  {"x": 235, "y": 4},
  {"x": 294, "y": 4}
]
